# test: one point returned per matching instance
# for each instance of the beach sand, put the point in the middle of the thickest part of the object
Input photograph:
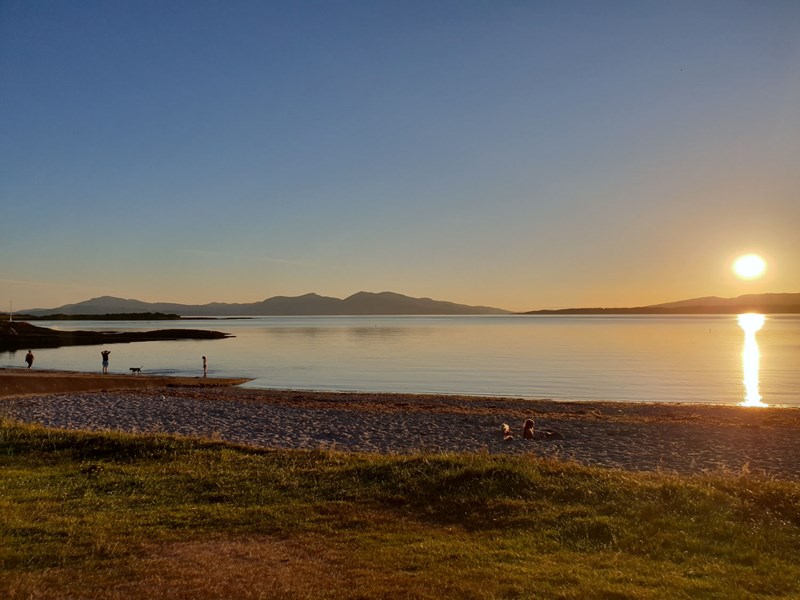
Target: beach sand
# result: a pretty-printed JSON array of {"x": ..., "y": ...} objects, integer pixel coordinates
[{"x": 684, "y": 438}]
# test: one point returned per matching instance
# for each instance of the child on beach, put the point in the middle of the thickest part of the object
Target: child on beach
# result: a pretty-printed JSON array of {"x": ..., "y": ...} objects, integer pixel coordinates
[
  {"x": 105, "y": 354},
  {"x": 205, "y": 367},
  {"x": 29, "y": 358}
]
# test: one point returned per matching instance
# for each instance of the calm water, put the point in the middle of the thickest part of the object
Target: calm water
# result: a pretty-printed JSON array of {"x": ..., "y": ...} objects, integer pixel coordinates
[{"x": 629, "y": 358}]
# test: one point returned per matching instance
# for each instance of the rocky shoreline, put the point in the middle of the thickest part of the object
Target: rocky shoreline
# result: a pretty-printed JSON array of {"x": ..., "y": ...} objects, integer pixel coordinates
[{"x": 20, "y": 335}]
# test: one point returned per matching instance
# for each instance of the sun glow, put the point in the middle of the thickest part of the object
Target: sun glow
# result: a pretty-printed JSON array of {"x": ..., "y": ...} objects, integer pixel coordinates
[
  {"x": 751, "y": 357},
  {"x": 749, "y": 266}
]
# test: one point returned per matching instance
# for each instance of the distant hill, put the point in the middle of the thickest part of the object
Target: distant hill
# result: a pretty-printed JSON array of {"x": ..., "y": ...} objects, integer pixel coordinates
[
  {"x": 763, "y": 303},
  {"x": 362, "y": 303},
  {"x": 752, "y": 300}
]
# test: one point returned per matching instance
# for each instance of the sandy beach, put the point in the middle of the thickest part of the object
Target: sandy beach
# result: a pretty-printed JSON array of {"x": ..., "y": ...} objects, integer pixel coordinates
[{"x": 685, "y": 438}]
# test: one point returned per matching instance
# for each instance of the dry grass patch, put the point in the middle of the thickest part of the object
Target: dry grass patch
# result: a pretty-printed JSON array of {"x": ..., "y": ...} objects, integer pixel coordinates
[
  {"x": 244, "y": 568},
  {"x": 248, "y": 568}
]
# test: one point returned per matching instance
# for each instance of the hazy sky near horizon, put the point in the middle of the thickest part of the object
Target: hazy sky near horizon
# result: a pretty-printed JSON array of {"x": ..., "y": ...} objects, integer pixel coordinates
[{"x": 522, "y": 155}]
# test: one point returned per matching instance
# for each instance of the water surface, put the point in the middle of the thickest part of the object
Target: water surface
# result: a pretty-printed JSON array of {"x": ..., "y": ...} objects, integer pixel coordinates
[{"x": 627, "y": 358}]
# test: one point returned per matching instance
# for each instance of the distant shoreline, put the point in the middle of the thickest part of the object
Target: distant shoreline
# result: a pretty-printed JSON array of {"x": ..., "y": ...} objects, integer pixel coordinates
[
  {"x": 686, "y": 310},
  {"x": 118, "y": 317},
  {"x": 131, "y": 316}
]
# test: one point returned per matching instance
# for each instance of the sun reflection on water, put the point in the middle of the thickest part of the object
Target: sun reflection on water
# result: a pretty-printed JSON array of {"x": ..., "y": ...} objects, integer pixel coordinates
[{"x": 751, "y": 323}]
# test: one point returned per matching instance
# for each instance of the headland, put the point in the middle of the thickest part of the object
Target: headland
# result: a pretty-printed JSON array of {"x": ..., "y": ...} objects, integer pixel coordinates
[{"x": 17, "y": 335}]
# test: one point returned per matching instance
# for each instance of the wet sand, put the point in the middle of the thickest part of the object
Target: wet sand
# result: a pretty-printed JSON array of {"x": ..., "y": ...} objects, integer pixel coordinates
[
  {"x": 685, "y": 438},
  {"x": 20, "y": 382}
]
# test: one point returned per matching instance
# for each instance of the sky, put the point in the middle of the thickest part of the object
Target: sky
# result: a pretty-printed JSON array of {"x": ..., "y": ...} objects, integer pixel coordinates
[{"x": 515, "y": 154}]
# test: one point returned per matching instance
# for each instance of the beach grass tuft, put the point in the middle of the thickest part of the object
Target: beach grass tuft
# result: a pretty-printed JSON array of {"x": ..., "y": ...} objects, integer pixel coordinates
[{"x": 112, "y": 515}]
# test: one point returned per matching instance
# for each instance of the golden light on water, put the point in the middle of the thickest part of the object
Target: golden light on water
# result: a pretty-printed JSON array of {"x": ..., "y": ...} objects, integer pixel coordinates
[
  {"x": 751, "y": 357},
  {"x": 749, "y": 266}
]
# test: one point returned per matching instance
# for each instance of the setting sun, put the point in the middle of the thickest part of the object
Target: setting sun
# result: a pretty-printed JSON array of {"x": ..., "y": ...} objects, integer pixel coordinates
[{"x": 749, "y": 266}]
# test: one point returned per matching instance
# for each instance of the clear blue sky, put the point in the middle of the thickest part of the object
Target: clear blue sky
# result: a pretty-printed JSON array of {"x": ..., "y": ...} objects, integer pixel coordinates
[{"x": 515, "y": 154}]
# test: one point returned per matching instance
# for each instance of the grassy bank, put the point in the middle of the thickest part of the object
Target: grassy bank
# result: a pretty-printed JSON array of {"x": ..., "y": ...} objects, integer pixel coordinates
[{"x": 120, "y": 516}]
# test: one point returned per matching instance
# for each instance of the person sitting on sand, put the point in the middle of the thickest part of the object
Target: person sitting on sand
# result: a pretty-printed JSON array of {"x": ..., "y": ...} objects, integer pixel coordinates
[
  {"x": 527, "y": 429},
  {"x": 29, "y": 358},
  {"x": 105, "y": 354}
]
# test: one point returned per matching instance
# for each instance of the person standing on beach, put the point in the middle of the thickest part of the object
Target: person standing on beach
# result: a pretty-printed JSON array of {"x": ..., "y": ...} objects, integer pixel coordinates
[
  {"x": 29, "y": 358},
  {"x": 105, "y": 354},
  {"x": 205, "y": 367}
]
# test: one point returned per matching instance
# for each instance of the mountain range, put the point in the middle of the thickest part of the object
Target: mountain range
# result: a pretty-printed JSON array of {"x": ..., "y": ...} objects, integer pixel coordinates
[
  {"x": 390, "y": 303},
  {"x": 362, "y": 303}
]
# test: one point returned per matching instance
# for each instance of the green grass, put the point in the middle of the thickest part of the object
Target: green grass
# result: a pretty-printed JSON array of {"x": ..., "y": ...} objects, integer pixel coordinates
[{"x": 88, "y": 515}]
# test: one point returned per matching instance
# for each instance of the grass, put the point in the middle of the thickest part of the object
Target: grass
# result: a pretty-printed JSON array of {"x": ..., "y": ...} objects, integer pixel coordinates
[{"x": 87, "y": 515}]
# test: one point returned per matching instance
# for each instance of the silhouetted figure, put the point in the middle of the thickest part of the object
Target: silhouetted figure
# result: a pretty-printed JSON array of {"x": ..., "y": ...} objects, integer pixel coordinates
[
  {"x": 105, "y": 354},
  {"x": 527, "y": 429},
  {"x": 29, "y": 358},
  {"x": 205, "y": 367}
]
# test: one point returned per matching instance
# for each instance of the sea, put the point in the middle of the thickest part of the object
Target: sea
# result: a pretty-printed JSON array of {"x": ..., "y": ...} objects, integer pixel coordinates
[{"x": 721, "y": 359}]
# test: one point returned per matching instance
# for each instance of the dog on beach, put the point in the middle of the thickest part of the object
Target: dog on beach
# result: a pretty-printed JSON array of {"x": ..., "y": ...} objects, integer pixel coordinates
[
  {"x": 527, "y": 429},
  {"x": 506, "y": 430},
  {"x": 136, "y": 370}
]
